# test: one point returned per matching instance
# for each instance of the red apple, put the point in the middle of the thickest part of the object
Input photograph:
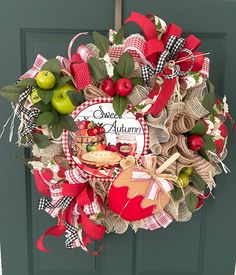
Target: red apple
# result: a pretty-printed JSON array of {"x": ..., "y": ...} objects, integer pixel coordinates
[
  {"x": 108, "y": 87},
  {"x": 100, "y": 130},
  {"x": 92, "y": 132},
  {"x": 111, "y": 148},
  {"x": 124, "y": 87},
  {"x": 195, "y": 142}
]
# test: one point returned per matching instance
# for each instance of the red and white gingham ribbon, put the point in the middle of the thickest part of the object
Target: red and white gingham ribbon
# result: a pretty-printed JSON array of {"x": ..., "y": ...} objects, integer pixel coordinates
[
  {"x": 156, "y": 221},
  {"x": 38, "y": 63},
  {"x": 135, "y": 45},
  {"x": 204, "y": 72},
  {"x": 76, "y": 64}
]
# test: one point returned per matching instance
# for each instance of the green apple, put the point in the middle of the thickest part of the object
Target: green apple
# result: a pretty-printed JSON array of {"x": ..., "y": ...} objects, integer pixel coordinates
[
  {"x": 183, "y": 180},
  {"x": 91, "y": 147},
  {"x": 187, "y": 170},
  {"x": 61, "y": 101},
  {"x": 34, "y": 96},
  {"x": 45, "y": 80}
]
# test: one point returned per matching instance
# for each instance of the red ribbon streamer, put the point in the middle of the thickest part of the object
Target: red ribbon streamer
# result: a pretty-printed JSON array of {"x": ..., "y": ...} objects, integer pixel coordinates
[{"x": 83, "y": 194}]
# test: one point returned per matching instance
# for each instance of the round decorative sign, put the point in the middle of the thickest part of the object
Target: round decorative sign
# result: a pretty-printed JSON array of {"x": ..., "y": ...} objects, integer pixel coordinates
[{"x": 127, "y": 133}]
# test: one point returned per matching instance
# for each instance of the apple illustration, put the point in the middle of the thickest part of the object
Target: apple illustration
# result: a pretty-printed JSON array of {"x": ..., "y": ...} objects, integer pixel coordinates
[
  {"x": 34, "y": 96},
  {"x": 108, "y": 87},
  {"x": 45, "y": 80},
  {"x": 124, "y": 87},
  {"x": 61, "y": 101},
  {"x": 195, "y": 142}
]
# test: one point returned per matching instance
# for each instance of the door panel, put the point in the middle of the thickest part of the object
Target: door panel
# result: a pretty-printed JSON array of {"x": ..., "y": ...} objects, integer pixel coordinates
[{"x": 203, "y": 246}]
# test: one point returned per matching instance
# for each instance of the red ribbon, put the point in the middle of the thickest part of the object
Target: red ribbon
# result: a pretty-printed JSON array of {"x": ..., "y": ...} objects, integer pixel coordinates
[
  {"x": 77, "y": 64},
  {"x": 41, "y": 185},
  {"x": 83, "y": 194},
  {"x": 154, "y": 47}
]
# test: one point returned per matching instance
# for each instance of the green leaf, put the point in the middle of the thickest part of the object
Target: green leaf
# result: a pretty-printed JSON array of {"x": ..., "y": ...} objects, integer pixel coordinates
[
  {"x": 202, "y": 152},
  {"x": 125, "y": 65},
  {"x": 137, "y": 81},
  {"x": 27, "y": 82},
  {"x": 42, "y": 106},
  {"x": 97, "y": 68},
  {"x": 209, "y": 143},
  {"x": 197, "y": 181},
  {"x": 191, "y": 201},
  {"x": 199, "y": 128},
  {"x": 116, "y": 76},
  {"x": 41, "y": 140},
  {"x": 68, "y": 123},
  {"x": 119, "y": 36},
  {"x": 45, "y": 95},
  {"x": 62, "y": 81},
  {"x": 176, "y": 194},
  {"x": 119, "y": 104},
  {"x": 57, "y": 130},
  {"x": 44, "y": 119},
  {"x": 76, "y": 97},
  {"x": 52, "y": 65},
  {"x": 101, "y": 42},
  {"x": 11, "y": 92},
  {"x": 56, "y": 117},
  {"x": 210, "y": 98}
]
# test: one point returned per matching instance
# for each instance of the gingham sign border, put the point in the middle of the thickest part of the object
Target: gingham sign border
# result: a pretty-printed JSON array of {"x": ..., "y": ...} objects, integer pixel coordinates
[{"x": 89, "y": 103}]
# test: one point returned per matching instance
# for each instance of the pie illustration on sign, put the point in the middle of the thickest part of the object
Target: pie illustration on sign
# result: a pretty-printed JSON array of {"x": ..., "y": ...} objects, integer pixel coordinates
[{"x": 98, "y": 159}]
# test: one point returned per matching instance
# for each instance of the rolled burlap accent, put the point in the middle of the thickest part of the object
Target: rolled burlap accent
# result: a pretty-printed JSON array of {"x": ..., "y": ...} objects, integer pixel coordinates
[
  {"x": 138, "y": 94},
  {"x": 114, "y": 223},
  {"x": 91, "y": 92}
]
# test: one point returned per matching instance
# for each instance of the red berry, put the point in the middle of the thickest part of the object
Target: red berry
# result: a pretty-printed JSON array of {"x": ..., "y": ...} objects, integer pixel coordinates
[
  {"x": 124, "y": 87},
  {"x": 47, "y": 174},
  {"x": 111, "y": 148},
  {"x": 108, "y": 87},
  {"x": 92, "y": 132},
  {"x": 223, "y": 130},
  {"x": 195, "y": 142}
]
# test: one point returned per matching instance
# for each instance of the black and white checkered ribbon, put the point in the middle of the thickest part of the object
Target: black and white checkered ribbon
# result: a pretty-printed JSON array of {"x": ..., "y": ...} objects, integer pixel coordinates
[
  {"x": 45, "y": 203},
  {"x": 174, "y": 46},
  {"x": 27, "y": 118}
]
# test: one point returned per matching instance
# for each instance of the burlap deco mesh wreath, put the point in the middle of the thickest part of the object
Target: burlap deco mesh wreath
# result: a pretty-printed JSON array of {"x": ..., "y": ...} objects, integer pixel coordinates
[{"x": 125, "y": 131}]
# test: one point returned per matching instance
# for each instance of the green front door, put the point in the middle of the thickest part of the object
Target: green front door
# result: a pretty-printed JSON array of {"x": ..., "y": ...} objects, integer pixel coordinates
[{"x": 205, "y": 245}]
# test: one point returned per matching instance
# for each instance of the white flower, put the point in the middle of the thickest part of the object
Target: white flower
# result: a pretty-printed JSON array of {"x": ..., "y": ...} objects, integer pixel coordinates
[
  {"x": 161, "y": 24},
  {"x": 191, "y": 82},
  {"x": 53, "y": 167},
  {"x": 217, "y": 133},
  {"x": 36, "y": 165},
  {"x": 225, "y": 105},
  {"x": 109, "y": 66},
  {"x": 112, "y": 34}
]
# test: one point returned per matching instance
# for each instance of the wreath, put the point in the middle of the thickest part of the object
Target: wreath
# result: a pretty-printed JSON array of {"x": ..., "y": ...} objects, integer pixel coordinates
[{"x": 124, "y": 131}]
